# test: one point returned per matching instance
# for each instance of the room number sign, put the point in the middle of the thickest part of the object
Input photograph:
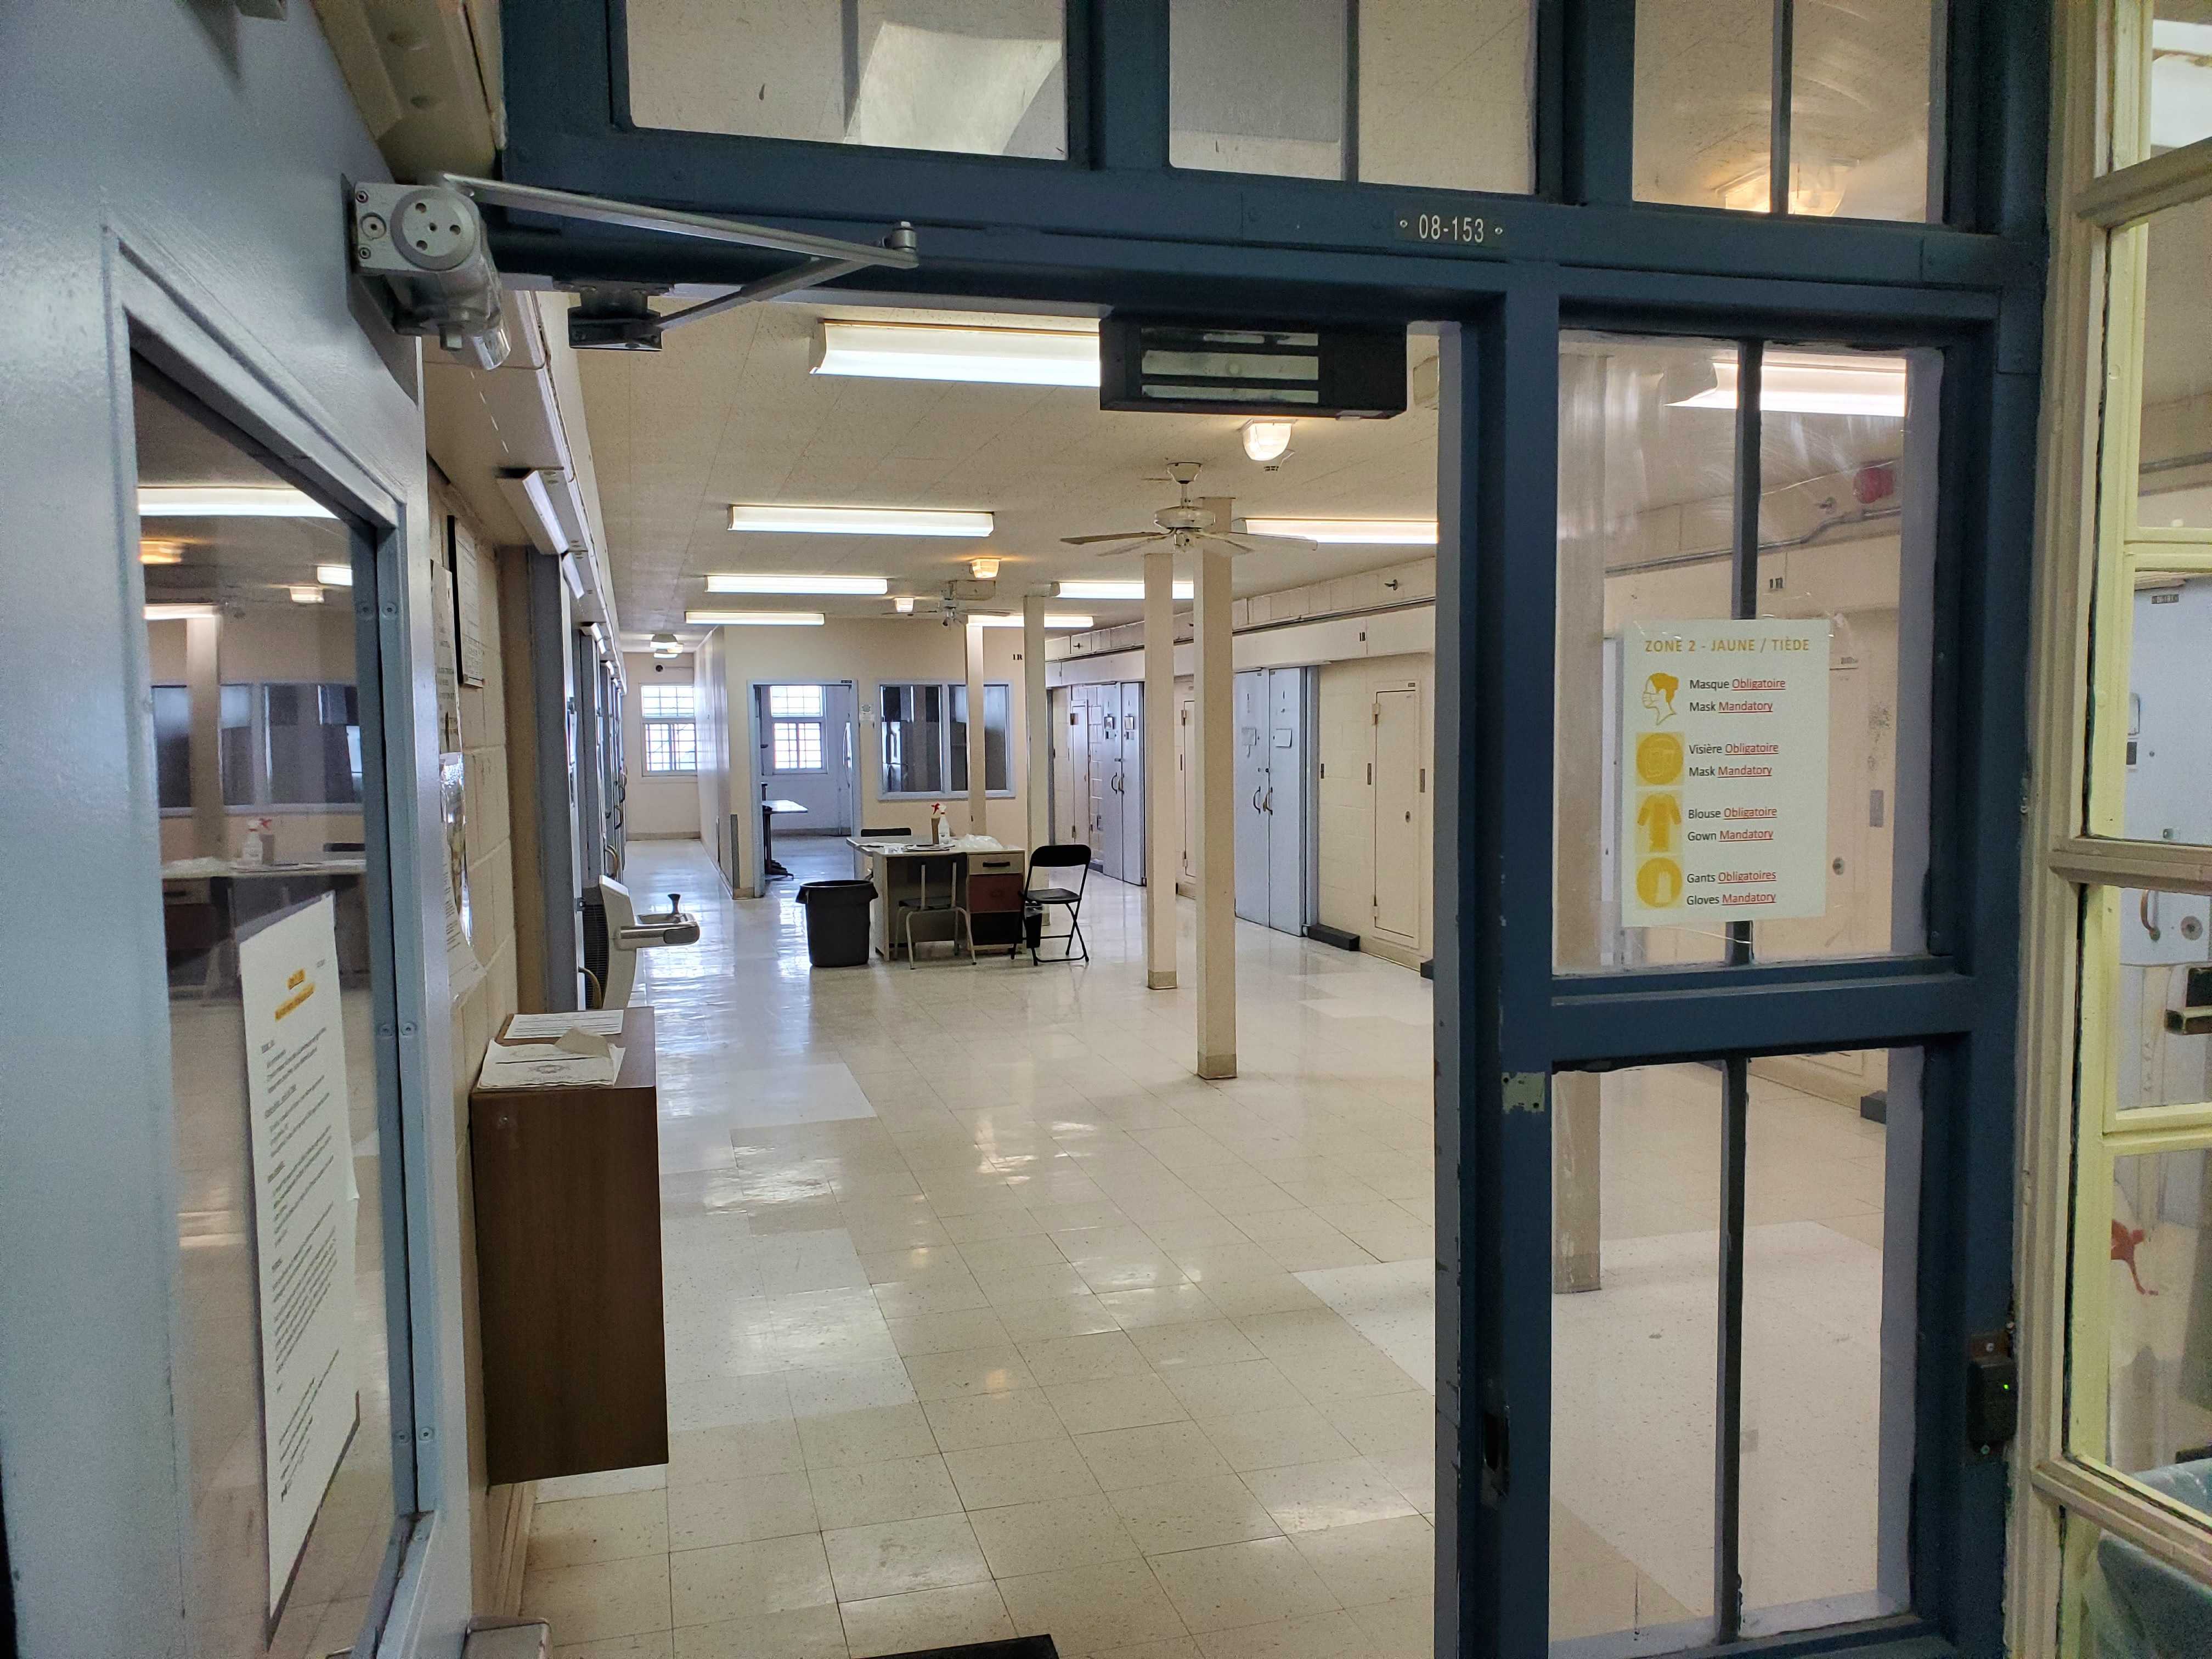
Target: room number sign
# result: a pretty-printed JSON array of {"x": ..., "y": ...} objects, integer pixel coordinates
[{"x": 1448, "y": 229}]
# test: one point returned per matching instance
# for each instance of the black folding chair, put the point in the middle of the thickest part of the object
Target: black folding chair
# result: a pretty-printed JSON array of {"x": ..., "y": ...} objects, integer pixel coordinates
[{"x": 1066, "y": 855}]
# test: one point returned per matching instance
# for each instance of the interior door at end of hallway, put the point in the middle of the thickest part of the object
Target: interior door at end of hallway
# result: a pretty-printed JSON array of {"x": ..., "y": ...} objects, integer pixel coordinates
[
  {"x": 1285, "y": 804},
  {"x": 1129, "y": 785},
  {"x": 1102, "y": 722},
  {"x": 1251, "y": 840},
  {"x": 1398, "y": 766},
  {"x": 1185, "y": 708}
]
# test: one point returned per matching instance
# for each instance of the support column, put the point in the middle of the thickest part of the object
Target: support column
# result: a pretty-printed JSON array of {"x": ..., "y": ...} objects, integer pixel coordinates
[
  {"x": 204, "y": 691},
  {"x": 978, "y": 797},
  {"x": 1036, "y": 722},
  {"x": 1213, "y": 764},
  {"x": 1162, "y": 838}
]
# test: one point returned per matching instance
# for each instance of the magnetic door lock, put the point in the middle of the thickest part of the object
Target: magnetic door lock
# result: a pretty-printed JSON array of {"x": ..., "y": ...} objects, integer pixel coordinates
[{"x": 1992, "y": 1393}]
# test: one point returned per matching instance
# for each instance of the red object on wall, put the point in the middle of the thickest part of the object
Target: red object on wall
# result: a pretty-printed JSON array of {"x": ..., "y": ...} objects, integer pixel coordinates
[{"x": 1874, "y": 483}]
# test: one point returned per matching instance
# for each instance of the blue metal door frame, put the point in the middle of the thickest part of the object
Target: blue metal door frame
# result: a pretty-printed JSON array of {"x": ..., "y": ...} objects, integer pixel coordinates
[{"x": 1114, "y": 225}]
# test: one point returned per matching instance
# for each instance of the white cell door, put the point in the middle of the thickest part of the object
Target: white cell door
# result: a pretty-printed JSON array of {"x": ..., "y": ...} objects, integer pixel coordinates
[
  {"x": 1129, "y": 784},
  {"x": 1285, "y": 802},
  {"x": 1186, "y": 709},
  {"x": 1250, "y": 737},
  {"x": 1103, "y": 722},
  {"x": 1398, "y": 765}
]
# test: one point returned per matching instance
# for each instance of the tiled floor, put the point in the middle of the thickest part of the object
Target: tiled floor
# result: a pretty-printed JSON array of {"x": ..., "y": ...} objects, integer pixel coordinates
[{"x": 986, "y": 1316}]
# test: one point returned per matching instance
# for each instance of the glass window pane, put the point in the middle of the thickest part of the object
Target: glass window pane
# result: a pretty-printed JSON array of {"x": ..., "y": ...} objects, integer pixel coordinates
[
  {"x": 2180, "y": 73},
  {"x": 803, "y": 701},
  {"x": 1860, "y": 90},
  {"x": 1646, "y": 487},
  {"x": 956, "y": 740},
  {"x": 995, "y": 718},
  {"x": 1831, "y": 1210},
  {"x": 1847, "y": 531},
  {"x": 1825, "y": 1467},
  {"x": 2176, "y": 433},
  {"x": 798, "y": 745},
  {"x": 1635, "y": 1328},
  {"x": 912, "y": 738},
  {"x": 2158, "y": 1299},
  {"x": 2125, "y": 1603},
  {"x": 1704, "y": 91},
  {"x": 985, "y": 78},
  {"x": 663, "y": 702},
  {"x": 1433, "y": 91},
  {"x": 223, "y": 880},
  {"x": 2167, "y": 758},
  {"x": 2158, "y": 965}
]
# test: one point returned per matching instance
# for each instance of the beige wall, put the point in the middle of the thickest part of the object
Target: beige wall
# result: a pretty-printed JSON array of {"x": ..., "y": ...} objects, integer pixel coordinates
[
  {"x": 654, "y": 808},
  {"x": 870, "y": 653}
]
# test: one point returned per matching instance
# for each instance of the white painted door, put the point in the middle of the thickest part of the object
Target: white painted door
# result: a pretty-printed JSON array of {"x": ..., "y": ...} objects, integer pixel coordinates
[
  {"x": 1129, "y": 785},
  {"x": 1398, "y": 767},
  {"x": 1285, "y": 802},
  {"x": 1066, "y": 739},
  {"x": 1250, "y": 737},
  {"x": 1185, "y": 713},
  {"x": 1100, "y": 724}
]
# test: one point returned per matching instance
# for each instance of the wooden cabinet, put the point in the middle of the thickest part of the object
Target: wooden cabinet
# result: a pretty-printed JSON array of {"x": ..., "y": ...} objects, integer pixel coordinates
[{"x": 567, "y": 1212}]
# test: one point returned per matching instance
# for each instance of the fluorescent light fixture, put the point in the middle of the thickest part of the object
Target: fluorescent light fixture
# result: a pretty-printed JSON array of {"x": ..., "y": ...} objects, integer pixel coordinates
[
  {"x": 334, "y": 575},
  {"x": 307, "y": 593},
  {"x": 984, "y": 356},
  {"x": 983, "y": 570},
  {"x": 904, "y": 603},
  {"x": 1110, "y": 590},
  {"x": 179, "y": 613},
  {"x": 753, "y": 618},
  {"x": 1350, "y": 532},
  {"x": 1051, "y": 620},
  {"x": 858, "y": 521},
  {"x": 228, "y": 502},
  {"x": 1799, "y": 383},
  {"x": 726, "y": 582},
  {"x": 1267, "y": 440},
  {"x": 161, "y": 552}
]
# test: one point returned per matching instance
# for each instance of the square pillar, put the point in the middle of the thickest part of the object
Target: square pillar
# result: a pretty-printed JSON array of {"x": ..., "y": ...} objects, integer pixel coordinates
[
  {"x": 978, "y": 797},
  {"x": 1163, "y": 834},
  {"x": 1213, "y": 758}
]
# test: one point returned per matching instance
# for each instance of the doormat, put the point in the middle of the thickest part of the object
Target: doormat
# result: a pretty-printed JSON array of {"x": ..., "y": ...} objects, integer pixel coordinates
[{"x": 1022, "y": 1647}]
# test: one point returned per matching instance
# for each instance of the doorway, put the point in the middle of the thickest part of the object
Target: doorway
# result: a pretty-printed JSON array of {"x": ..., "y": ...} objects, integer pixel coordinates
[
  {"x": 806, "y": 747},
  {"x": 1275, "y": 856},
  {"x": 1401, "y": 767}
]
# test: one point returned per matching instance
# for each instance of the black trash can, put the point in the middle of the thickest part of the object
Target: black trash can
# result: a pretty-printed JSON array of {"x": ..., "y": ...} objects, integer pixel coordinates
[{"x": 837, "y": 922}]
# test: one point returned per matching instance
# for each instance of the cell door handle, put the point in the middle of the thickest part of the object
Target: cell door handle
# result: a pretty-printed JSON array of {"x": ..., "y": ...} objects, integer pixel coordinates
[
  {"x": 1255, "y": 800},
  {"x": 1268, "y": 806},
  {"x": 2147, "y": 909}
]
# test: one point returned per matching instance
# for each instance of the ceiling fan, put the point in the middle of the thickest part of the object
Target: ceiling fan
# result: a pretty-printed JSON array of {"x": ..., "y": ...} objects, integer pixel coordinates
[{"x": 1186, "y": 525}]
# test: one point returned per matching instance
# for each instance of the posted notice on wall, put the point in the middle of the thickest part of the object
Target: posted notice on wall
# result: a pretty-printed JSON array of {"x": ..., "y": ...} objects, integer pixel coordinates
[
  {"x": 1725, "y": 771},
  {"x": 303, "y": 1219}
]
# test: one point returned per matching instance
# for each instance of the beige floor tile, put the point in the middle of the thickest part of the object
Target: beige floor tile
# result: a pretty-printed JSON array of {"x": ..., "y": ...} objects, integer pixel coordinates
[
  {"x": 926, "y": 1618},
  {"x": 741, "y": 1449},
  {"x": 601, "y": 1599},
  {"x": 1274, "y": 1439},
  {"x": 875, "y": 1436},
  {"x": 732, "y": 1580},
  {"x": 1148, "y": 1456},
  {"x": 831, "y": 1391},
  {"x": 1107, "y": 1604},
  {"x": 1055, "y": 1317},
  {"x": 606, "y": 1483},
  {"x": 1399, "y": 1630},
  {"x": 738, "y": 1512},
  {"x": 1413, "y": 1471},
  {"x": 1374, "y": 1560},
  {"x": 902, "y": 1489},
  {"x": 1308, "y": 1497},
  {"x": 660, "y": 1644},
  {"x": 1336, "y": 1377},
  {"x": 994, "y": 1420},
  {"x": 1235, "y": 1584},
  {"x": 1135, "y": 1308},
  {"x": 1052, "y": 1536},
  {"x": 1277, "y": 1293},
  {"x": 1320, "y": 1636},
  {"x": 948, "y": 1333},
  {"x": 968, "y": 1371},
  {"x": 1189, "y": 1515},
  {"x": 1178, "y": 1647},
  {"x": 1030, "y": 1472},
  {"x": 796, "y": 1633},
  {"x": 1083, "y": 1359},
  {"x": 576, "y": 1530},
  {"x": 1231, "y": 1390},
  {"x": 1118, "y": 1402},
  {"x": 1386, "y": 1422},
  {"x": 1192, "y": 1345},
  {"x": 895, "y": 1557},
  {"x": 985, "y": 1255}
]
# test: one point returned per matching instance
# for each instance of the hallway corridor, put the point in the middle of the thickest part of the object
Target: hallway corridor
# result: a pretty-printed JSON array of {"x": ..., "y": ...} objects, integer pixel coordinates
[{"x": 986, "y": 1316}]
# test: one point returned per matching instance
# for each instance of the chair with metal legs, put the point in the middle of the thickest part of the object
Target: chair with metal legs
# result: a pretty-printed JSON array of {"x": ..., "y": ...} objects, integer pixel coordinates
[
  {"x": 920, "y": 906},
  {"x": 1035, "y": 899}
]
